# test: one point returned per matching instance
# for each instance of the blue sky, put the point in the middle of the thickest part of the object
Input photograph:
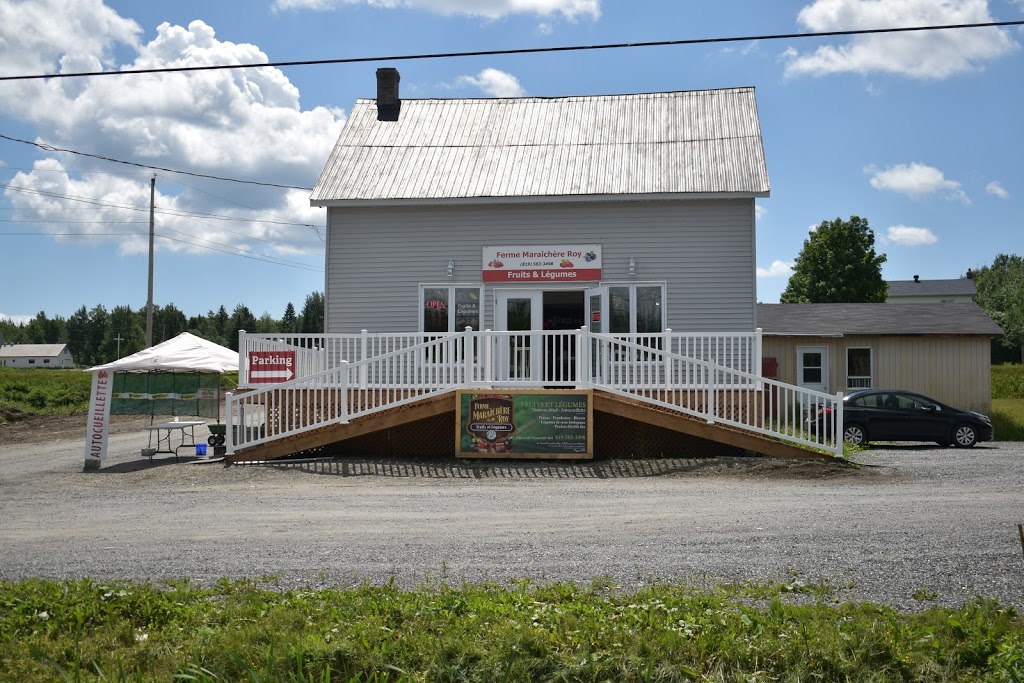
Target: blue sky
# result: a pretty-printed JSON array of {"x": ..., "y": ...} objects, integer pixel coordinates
[{"x": 919, "y": 133}]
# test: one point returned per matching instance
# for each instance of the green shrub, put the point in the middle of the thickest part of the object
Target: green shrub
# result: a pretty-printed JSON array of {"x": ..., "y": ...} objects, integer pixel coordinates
[
  {"x": 1008, "y": 381},
  {"x": 1008, "y": 418},
  {"x": 49, "y": 392}
]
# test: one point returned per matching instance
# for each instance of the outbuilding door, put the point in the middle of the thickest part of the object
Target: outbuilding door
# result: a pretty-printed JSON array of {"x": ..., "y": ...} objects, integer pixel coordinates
[{"x": 812, "y": 367}]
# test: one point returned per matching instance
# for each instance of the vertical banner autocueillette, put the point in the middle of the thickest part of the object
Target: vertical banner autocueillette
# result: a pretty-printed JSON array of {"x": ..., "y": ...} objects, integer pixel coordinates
[
  {"x": 98, "y": 418},
  {"x": 525, "y": 424}
]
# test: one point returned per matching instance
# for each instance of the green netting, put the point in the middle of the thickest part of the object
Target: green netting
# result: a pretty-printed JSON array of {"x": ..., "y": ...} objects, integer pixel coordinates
[{"x": 166, "y": 393}]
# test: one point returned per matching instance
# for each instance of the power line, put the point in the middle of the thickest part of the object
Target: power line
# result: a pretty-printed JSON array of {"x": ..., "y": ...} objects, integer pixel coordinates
[
  {"x": 237, "y": 253},
  {"x": 244, "y": 206},
  {"x": 517, "y": 51},
  {"x": 173, "y": 213},
  {"x": 128, "y": 207},
  {"x": 166, "y": 237},
  {"x": 446, "y": 55},
  {"x": 51, "y": 148},
  {"x": 52, "y": 220},
  {"x": 228, "y": 246}
]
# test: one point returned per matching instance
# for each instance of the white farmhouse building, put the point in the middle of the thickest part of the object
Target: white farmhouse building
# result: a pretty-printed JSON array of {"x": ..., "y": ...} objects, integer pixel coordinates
[{"x": 36, "y": 356}]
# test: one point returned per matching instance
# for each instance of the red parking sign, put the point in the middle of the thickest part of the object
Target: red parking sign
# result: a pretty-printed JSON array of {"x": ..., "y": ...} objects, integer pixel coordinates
[{"x": 269, "y": 367}]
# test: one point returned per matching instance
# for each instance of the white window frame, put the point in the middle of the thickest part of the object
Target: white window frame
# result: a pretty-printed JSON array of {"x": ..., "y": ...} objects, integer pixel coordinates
[
  {"x": 871, "y": 368},
  {"x": 633, "y": 300},
  {"x": 451, "y": 287},
  {"x": 640, "y": 356}
]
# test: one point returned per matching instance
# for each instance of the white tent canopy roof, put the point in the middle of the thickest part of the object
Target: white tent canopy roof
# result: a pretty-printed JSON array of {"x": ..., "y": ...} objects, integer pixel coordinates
[{"x": 184, "y": 353}]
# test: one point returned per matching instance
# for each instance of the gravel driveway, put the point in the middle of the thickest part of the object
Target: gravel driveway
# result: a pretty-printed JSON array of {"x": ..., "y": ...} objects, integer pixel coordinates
[{"x": 921, "y": 519}]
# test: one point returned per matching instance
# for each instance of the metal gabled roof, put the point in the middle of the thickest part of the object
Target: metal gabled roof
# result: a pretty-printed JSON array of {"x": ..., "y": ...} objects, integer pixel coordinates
[
  {"x": 34, "y": 350},
  {"x": 692, "y": 142}
]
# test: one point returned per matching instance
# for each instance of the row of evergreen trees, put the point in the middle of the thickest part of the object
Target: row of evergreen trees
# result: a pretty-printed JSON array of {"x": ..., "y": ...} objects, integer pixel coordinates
[{"x": 99, "y": 336}]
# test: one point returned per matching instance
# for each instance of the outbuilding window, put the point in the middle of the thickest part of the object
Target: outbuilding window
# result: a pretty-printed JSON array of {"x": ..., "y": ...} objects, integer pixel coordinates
[{"x": 858, "y": 368}]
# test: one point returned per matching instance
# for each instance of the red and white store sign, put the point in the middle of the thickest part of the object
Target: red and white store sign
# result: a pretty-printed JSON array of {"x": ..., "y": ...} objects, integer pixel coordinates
[
  {"x": 573, "y": 263},
  {"x": 269, "y": 367}
]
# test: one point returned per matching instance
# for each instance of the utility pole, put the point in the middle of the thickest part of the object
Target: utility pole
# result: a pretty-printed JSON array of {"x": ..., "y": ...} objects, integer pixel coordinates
[{"x": 152, "y": 228}]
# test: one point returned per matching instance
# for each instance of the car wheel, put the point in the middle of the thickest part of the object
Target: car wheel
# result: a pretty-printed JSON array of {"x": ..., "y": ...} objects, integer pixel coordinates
[
  {"x": 964, "y": 436},
  {"x": 855, "y": 435}
]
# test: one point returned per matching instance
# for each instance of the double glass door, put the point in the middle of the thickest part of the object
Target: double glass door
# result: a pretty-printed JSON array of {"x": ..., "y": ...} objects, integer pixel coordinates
[{"x": 539, "y": 346}]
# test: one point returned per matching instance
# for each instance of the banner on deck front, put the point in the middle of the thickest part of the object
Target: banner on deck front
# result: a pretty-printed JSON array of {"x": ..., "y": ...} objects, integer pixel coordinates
[{"x": 98, "y": 419}]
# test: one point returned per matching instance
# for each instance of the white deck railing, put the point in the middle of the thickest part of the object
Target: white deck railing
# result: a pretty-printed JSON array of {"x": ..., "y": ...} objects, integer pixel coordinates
[
  {"x": 315, "y": 353},
  {"x": 341, "y": 377}
]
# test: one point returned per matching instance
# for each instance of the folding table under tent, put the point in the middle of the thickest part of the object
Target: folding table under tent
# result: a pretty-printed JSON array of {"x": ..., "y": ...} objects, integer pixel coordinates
[{"x": 177, "y": 377}]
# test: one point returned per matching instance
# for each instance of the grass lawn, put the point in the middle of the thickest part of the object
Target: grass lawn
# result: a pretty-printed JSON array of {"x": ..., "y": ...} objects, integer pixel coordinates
[{"x": 243, "y": 631}]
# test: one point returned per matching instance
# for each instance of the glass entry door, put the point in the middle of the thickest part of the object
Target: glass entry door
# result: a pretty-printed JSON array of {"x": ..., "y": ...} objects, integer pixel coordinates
[
  {"x": 597, "y": 323},
  {"x": 520, "y": 313}
]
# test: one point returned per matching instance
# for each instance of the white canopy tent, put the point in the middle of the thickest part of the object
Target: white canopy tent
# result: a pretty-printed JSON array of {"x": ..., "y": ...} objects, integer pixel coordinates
[{"x": 184, "y": 353}]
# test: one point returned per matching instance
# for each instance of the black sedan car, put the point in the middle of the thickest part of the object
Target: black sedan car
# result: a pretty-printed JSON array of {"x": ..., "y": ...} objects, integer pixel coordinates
[{"x": 893, "y": 415}]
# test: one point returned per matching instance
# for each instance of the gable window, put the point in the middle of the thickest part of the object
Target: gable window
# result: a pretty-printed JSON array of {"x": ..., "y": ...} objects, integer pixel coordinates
[
  {"x": 858, "y": 368},
  {"x": 450, "y": 308}
]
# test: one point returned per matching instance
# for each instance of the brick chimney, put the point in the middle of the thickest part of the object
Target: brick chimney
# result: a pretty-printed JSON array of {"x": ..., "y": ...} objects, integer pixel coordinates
[{"x": 389, "y": 104}]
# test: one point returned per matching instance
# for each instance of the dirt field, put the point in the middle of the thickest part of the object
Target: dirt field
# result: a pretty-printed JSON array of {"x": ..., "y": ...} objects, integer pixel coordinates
[{"x": 916, "y": 526}]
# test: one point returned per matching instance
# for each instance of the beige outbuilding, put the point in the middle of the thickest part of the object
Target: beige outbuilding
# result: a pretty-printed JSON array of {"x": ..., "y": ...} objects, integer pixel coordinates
[{"x": 942, "y": 350}]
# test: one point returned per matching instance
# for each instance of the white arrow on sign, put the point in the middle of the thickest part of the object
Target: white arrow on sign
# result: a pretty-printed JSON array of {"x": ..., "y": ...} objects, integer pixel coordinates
[{"x": 272, "y": 374}]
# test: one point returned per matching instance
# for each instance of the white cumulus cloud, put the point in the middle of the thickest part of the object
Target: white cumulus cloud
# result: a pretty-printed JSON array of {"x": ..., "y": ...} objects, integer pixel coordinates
[
  {"x": 245, "y": 124},
  {"x": 494, "y": 83},
  {"x": 776, "y": 269},
  {"x": 916, "y": 180},
  {"x": 996, "y": 189},
  {"x": 906, "y": 236},
  {"x": 927, "y": 55},
  {"x": 489, "y": 9},
  {"x": 35, "y": 36}
]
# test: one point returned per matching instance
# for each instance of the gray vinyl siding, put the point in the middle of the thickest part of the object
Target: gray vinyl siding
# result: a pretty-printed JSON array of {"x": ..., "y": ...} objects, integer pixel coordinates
[
  {"x": 952, "y": 369},
  {"x": 702, "y": 250}
]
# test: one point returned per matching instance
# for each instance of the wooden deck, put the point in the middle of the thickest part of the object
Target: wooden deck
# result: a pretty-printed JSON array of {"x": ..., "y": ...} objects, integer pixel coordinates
[{"x": 604, "y": 402}]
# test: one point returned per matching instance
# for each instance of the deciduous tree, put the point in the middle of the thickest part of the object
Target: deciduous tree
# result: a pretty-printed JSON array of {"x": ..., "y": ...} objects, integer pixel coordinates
[
  {"x": 1001, "y": 295},
  {"x": 838, "y": 264}
]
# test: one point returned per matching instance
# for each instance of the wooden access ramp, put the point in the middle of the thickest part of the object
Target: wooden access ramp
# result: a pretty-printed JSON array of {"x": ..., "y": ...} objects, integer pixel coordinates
[
  {"x": 635, "y": 409},
  {"x": 333, "y": 433},
  {"x": 604, "y": 402}
]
